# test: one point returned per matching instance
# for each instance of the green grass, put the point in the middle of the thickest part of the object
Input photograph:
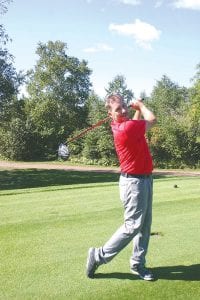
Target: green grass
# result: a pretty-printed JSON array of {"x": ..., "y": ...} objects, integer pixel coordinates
[{"x": 49, "y": 219}]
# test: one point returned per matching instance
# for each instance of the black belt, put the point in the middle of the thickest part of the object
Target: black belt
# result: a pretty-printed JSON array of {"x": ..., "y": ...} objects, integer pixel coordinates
[{"x": 135, "y": 175}]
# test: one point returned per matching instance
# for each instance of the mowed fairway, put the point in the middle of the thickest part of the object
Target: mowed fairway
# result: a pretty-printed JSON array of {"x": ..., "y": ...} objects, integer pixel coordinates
[{"x": 49, "y": 219}]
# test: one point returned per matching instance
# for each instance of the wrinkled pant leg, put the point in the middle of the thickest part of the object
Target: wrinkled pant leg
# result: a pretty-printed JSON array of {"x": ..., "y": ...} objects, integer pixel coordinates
[
  {"x": 132, "y": 194},
  {"x": 141, "y": 240}
]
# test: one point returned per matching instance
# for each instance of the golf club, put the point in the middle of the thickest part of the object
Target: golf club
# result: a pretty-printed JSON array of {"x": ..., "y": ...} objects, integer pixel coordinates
[{"x": 63, "y": 149}]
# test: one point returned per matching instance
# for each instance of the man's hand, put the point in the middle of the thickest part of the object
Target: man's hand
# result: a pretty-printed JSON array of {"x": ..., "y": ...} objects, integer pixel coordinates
[
  {"x": 136, "y": 104},
  {"x": 142, "y": 110}
]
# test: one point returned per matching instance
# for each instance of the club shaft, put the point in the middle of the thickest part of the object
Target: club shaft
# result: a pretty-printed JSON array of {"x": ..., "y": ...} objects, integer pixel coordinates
[{"x": 99, "y": 123}]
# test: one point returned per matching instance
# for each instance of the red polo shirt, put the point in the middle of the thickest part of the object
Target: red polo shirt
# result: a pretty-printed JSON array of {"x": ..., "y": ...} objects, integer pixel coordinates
[{"x": 131, "y": 147}]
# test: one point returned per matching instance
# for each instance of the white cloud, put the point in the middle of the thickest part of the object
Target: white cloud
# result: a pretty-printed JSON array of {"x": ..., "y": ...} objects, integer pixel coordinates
[
  {"x": 158, "y": 3},
  {"x": 131, "y": 2},
  {"x": 98, "y": 48},
  {"x": 143, "y": 33},
  {"x": 189, "y": 4}
]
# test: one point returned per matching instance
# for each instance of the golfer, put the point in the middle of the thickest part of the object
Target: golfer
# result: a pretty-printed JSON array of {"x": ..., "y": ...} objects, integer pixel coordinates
[{"x": 135, "y": 187}]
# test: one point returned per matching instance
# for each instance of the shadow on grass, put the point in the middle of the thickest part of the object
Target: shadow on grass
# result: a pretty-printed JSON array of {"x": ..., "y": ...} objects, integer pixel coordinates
[
  {"x": 115, "y": 275},
  {"x": 188, "y": 273},
  {"x": 185, "y": 273},
  {"x": 31, "y": 178}
]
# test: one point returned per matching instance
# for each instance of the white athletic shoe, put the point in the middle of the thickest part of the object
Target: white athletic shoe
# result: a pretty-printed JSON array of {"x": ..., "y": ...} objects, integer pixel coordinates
[
  {"x": 142, "y": 272},
  {"x": 91, "y": 265}
]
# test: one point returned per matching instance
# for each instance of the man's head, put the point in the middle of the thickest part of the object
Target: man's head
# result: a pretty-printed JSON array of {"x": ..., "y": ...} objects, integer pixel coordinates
[{"x": 117, "y": 108}]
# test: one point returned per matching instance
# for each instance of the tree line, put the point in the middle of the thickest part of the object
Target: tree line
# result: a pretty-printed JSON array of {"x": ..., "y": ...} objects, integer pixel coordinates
[{"x": 61, "y": 103}]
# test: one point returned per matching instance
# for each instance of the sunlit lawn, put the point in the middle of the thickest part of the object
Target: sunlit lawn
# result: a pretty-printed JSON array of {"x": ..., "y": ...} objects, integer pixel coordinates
[{"x": 49, "y": 219}]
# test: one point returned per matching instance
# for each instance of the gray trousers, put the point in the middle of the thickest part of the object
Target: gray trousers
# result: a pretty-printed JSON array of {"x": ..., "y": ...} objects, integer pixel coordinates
[{"x": 136, "y": 197}]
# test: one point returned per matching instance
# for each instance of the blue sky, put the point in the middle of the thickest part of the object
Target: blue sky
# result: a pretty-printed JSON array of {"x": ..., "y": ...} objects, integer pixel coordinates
[{"x": 141, "y": 40}]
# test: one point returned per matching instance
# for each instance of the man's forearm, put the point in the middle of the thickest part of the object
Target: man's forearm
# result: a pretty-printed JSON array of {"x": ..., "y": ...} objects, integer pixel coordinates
[
  {"x": 147, "y": 114},
  {"x": 137, "y": 115}
]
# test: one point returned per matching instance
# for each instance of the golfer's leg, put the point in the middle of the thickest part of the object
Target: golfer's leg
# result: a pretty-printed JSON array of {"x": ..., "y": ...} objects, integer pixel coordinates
[
  {"x": 141, "y": 240},
  {"x": 131, "y": 195}
]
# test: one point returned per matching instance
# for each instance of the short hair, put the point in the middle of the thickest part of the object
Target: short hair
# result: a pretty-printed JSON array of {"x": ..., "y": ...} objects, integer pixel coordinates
[{"x": 112, "y": 98}]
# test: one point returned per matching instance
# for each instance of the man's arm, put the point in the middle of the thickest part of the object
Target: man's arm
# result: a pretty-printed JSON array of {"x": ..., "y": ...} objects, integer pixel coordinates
[
  {"x": 137, "y": 115},
  {"x": 148, "y": 115}
]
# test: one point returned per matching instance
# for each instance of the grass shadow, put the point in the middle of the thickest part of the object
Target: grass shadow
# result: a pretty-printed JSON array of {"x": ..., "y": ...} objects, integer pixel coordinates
[
  {"x": 184, "y": 273},
  {"x": 115, "y": 275},
  {"x": 31, "y": 178}
]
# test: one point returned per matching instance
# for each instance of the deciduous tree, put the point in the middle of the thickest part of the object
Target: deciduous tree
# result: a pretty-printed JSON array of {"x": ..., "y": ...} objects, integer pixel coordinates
[
  {"x": 118, "y": 85},
  {"x": 58, "y": 88}
]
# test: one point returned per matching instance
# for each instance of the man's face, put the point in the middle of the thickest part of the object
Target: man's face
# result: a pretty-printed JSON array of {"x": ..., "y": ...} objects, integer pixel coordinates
[{"x": 118, "y": 110}]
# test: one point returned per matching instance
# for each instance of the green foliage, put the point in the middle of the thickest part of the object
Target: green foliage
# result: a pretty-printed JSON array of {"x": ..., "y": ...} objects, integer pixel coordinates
[
  {"x": 97, "y": 145},
  {"x": 167, "y": 98},
  {"x": 13, "y": 140},
  {"x": 59, "y": 76},
  {"x": 118, "y": 86},
  {"x": 10, "y": 80},
  {"x": 4, "y": 38},
  {"x": 12, "y": 129},
  {"x": 58, "y": 88},
  {"x": 194, "y": 108},
  {"x": 173, "y": 141}
]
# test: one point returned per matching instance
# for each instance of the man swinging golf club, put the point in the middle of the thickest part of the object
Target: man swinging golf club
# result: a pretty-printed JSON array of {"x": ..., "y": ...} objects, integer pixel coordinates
[{"x": 135, "y": 187}]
